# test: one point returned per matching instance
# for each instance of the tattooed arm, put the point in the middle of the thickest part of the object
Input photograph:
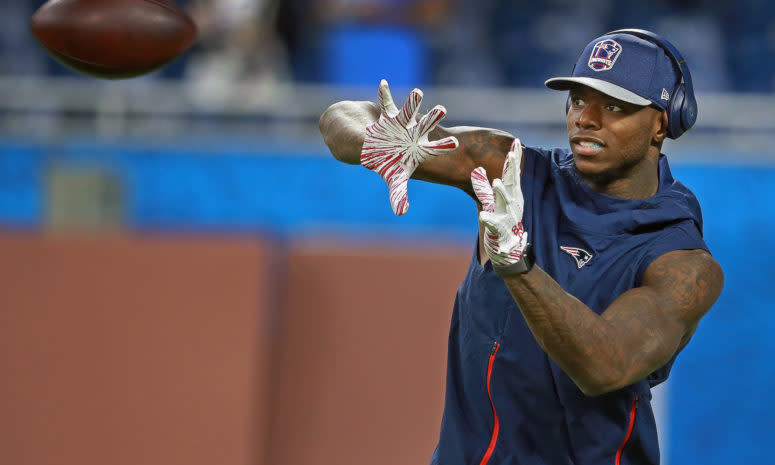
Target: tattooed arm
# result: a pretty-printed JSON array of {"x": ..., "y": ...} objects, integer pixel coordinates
[
  {"x": 638, "y": 333},
  {"x": 343, "y": 126}
]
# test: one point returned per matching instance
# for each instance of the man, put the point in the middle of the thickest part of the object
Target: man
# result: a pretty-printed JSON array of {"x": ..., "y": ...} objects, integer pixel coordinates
[{"x": 582, "y": 291}]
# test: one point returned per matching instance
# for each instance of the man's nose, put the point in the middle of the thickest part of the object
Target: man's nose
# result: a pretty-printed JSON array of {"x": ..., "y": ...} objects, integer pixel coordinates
[{"x": 589, "y": 117}]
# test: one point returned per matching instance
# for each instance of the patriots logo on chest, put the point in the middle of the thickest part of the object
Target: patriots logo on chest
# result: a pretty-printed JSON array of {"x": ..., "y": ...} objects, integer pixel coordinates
[{"x": 581, "y": 256}]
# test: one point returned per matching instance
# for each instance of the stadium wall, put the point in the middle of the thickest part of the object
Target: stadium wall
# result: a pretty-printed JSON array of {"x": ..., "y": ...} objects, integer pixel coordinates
[{"x": 142, "y": 349}]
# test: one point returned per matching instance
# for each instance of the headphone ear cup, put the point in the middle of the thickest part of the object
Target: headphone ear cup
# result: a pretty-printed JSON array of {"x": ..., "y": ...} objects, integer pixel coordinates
[
  {"x": 688, "y": 110},
  {"x": 676, "y": 117}
]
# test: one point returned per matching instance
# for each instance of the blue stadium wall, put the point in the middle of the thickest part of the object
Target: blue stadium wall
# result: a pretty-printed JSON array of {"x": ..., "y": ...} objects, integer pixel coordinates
[{"x": 719, "y": 412}]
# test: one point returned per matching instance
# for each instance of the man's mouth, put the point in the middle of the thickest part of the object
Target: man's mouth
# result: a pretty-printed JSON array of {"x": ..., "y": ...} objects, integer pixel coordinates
[
  {"x": 592, "y": 145},
  {"x": 586, "y": 147}
]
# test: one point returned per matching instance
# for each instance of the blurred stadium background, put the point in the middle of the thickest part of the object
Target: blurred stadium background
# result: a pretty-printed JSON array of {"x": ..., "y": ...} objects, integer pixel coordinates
[{"x": 188, "y": 277}]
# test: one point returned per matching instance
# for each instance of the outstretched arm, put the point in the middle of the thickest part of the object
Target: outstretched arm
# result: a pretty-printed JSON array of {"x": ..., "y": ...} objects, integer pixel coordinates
[{"x": 343, "y": 126}]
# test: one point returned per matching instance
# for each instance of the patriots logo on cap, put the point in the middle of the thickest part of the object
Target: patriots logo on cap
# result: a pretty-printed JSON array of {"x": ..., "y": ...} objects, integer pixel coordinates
[
  {"x": 604, "y": 55},
  {"x": 581, "y": 256}
]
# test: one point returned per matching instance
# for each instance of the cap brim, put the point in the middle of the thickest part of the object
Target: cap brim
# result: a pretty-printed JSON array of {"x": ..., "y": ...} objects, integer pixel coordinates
[{"x": 620, "y": 93}]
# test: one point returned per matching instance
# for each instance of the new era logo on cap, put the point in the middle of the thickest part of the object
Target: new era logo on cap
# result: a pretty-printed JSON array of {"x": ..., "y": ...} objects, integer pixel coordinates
[
  {"x": 604, "y": 55},
  {"x": 665, "y": 94}
]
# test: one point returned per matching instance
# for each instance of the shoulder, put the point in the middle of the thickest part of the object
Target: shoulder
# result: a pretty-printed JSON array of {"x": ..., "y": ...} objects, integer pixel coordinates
[
  {"x": 556, "y": 156},
  {"x": 676, "y": 193},
  {"x": 687, "y": 280},
  {"x": 545, "y": 167},
  {"x": 664, "y": 228},
  {"x": 557, "y": 160}
]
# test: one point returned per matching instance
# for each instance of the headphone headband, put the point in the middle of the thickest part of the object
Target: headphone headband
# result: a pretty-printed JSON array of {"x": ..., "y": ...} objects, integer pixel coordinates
[
  {"x": 672, "y": 52},
  {"x": 683, "y": 103}
]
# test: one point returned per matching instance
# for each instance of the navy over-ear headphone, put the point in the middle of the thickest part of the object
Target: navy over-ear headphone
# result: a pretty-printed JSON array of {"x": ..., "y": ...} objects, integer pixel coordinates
[{"x": 682, "y": 107}]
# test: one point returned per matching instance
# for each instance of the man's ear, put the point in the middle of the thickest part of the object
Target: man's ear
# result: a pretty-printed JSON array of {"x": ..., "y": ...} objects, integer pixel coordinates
[{"x": 661, "y": 132}]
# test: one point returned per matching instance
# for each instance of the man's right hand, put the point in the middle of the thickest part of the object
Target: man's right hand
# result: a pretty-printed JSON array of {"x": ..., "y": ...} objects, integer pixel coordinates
[{"x": 395, "y": 145}]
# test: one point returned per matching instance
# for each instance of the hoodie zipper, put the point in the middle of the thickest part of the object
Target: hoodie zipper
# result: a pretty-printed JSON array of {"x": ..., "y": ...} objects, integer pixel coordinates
[
  {"x": 496, "y": 424},
  {"x": 633, "y": 409}
]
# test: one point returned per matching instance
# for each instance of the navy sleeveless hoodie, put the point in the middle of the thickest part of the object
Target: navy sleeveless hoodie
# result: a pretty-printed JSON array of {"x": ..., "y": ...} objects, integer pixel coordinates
[{"x": 506, "y": 401}]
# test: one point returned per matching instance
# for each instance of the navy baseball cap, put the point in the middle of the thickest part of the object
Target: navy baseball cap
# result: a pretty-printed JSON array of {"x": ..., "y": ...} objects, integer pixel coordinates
[{"x": 625, "y": 67}]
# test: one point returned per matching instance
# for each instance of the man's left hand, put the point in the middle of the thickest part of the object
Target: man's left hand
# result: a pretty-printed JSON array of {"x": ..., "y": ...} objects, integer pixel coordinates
[{"x": 505, "y": 239}]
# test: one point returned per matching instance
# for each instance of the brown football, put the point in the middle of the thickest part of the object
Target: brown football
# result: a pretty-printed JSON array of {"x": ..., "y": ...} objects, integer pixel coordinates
[{"x": 113, "y": 39}]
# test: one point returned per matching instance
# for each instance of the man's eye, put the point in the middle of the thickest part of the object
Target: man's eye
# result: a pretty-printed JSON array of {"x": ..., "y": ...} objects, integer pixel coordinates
[
  {"x": 577, "y": 101},
  {"x": 613, "y": 107}
]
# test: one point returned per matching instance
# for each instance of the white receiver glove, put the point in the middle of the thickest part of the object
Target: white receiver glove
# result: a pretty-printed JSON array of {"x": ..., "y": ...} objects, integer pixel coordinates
[
  {"x": 505, "y": 239},
  {"x": 395, "y": 145}
]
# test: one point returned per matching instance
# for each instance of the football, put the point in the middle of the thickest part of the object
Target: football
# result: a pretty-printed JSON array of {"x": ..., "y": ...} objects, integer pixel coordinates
[{"x": 113, "y": 39}]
